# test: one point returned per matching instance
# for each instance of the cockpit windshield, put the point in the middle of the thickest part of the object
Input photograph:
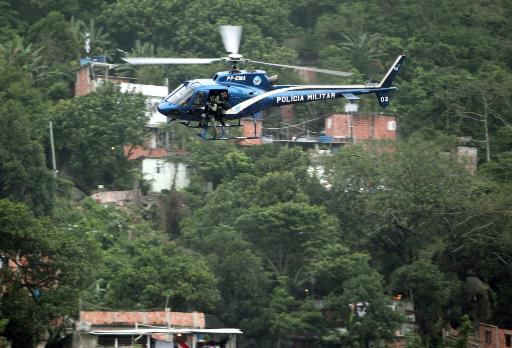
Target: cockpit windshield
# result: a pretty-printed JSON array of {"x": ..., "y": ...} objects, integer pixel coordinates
[{"x": 181, "y": 95}]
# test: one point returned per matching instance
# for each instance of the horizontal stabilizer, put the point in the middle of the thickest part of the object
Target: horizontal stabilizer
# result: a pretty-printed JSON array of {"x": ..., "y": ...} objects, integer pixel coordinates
[{"x": 350, "y": 96}]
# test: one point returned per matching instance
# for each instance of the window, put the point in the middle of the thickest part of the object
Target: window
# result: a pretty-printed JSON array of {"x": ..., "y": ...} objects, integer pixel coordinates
[
  {"x": 199, "y": 100},
  {"x": 508, "y": 340},
  {"x": 106, "y": 340},
  {"x": 160, "y": 167},
  {"x": 162, "y": 138},
  {"x": 488, "y": 337},
  {"x": 180, "y": 96},
  {"x": 151, "y": 104},
  {"x": 329, "y": 123},
  {"x": 114, "y": 341},
  {"x": 391, "y": 125}
]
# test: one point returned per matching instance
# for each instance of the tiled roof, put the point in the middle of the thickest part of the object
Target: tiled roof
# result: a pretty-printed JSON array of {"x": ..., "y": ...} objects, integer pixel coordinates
[
  {"x": 139, "y": 152},
  {"x": 157, "y": 318}
]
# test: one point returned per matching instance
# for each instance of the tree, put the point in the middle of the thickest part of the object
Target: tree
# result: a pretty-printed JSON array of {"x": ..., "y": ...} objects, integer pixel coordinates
[
  {"x": 282, "y": 314},
  {"x": 354, "y": 296},
  {"x": 53, "y": 35},
  {"x": 24, "y": 176},
  {"x": 151, "y": 273},
  {"x": 50, "y": 264},
  {"x": 16, "y": 53},
  {"x": 92, "y": 132},
  {"x": 430, "y": 290},
  {"x": 284, "y": 234},
  {"x": 243, "y": 281},
  {"x": 8, "y": 20},
  {"x": 465, "y": 330},
  {"x": 58, "y": 51},
  {"x": 414, "y": 204}
]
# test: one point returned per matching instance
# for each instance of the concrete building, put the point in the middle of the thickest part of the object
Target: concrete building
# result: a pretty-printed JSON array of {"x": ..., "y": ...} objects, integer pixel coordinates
[
  {"x": 159, "y": 170},
  {"x": 105, "y": 328},
  {"x": 148, "y": 329}
]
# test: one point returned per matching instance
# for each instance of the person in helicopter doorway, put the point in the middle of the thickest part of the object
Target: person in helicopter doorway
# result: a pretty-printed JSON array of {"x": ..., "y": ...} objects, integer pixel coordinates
[
  {"x": 209, "y": 115},
  {"x": 222, "y": 105}
]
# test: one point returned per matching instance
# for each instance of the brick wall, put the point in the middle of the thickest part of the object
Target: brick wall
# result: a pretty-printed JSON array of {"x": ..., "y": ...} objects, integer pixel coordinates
[
  {"x": 129, "y": 318},
  {"x": 248, "y": 131},
  {"x": 287, "y": 112},
  {"x": 83, "y": 84},
  {"x": 488, "y": 334},
  {"x": 116, "y": 196},
  {"x": 361, "y": 127}
]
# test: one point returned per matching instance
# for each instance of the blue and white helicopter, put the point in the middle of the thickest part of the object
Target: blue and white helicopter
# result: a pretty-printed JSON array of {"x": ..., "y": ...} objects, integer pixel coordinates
[{"x": 251, "y": 91}]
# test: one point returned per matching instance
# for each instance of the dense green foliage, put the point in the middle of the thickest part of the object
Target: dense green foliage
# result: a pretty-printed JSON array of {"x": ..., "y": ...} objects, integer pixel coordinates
[
  {"x": 94, "y": 132},
  {"x": 255, "y": 239}
]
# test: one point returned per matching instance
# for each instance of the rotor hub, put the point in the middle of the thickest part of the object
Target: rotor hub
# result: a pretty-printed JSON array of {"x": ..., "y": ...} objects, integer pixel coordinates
[{"x": 235, "y": 56}]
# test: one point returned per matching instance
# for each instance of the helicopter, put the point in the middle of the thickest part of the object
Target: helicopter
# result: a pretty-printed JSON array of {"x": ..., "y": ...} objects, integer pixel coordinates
[{"x": 251, "y": 91}]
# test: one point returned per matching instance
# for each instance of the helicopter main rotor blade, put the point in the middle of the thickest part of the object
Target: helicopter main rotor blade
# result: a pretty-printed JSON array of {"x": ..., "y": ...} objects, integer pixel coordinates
[
  {"x": 231, "y": 35},
  {"x": 306, "y": 68},
  {"x": 152, "y": 60}
]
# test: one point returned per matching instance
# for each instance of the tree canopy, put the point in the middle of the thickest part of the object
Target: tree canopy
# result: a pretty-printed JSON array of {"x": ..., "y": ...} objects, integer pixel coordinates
[{"x": 256, "y": 239}]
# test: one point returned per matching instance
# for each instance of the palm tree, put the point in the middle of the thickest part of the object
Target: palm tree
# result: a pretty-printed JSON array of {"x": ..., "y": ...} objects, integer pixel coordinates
[
  {"x": 16, "y": 53},
  {"x": 365, "y": 51},
  {"x": 94, "y": 39}
]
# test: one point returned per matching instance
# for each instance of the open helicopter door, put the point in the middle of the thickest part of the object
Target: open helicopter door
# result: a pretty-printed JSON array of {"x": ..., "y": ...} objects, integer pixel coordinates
[
  {"x": 213, "y": 121},
  {"x": 213, "y": 117}
]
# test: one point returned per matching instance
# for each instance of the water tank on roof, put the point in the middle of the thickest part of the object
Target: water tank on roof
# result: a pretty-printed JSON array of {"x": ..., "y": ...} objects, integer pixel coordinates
[
  {"x": 99, "y": 59},
  {"x": 351, "y": 107}
]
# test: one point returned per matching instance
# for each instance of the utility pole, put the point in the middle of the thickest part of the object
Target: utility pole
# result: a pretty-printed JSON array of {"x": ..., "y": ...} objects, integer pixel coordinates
[
  {"x": 486, "y": 129},
  {"x": 168, "y": 318},
  {"x": 54, "y": 163}
]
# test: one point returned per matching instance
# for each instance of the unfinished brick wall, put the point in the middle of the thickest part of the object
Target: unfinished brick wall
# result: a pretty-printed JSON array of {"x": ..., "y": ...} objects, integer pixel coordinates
[
  {"x": 489, "y": 334},
  {"x": 128, "y": 318},
  {"x": 248, "y": 131},
  {"x": 360, "y": 127},
  {"x": 287, "y": 113},
  {"x": 84, "y": 84}
]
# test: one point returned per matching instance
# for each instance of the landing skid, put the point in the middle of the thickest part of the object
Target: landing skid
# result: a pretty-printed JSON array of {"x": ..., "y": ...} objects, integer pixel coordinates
[
  {"x": 225, "y": 138},
  {"x": 206, "y": 127},
  {"x": 199, "y": 124}
]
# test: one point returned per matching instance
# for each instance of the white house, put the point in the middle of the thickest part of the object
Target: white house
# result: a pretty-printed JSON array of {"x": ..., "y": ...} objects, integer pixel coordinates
[
  {"x": 153, "y": 94},
  {"x": 154, "y": 157}
]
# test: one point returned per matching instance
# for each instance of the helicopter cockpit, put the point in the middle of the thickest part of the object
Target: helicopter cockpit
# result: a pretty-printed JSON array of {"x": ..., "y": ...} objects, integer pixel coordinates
[
  {"x": 188, "y": 100},
  {"x": 181, "y": 95}
]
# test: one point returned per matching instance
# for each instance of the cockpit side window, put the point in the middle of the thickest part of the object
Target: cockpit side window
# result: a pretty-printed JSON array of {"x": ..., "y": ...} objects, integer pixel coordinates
[
  {"x": 180, "y": 96},
  {"x": 199, "y": 100}
]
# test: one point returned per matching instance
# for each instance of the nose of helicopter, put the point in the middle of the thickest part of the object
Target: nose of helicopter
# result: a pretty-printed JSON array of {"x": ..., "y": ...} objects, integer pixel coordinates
[{"x": 168, "y": 109}]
